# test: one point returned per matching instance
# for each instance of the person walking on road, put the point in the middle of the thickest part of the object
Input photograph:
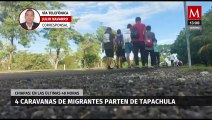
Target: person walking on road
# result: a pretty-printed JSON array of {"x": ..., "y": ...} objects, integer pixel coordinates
[
  {"x": 156, "y": 54},
  {"x": 138, "y": 35},
  {"x": 128, "y": 44},
  {"x": 149, "y": 46},
  {"x": 119, "y": 44},
  {"x": 108, "y": 46}
]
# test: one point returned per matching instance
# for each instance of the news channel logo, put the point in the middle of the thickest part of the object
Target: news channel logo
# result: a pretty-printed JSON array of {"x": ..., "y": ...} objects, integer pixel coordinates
[{"x": 194, "y": 15}]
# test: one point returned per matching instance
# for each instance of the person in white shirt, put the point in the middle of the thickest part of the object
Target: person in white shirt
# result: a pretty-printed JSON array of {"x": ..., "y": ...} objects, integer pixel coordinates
[{"x": 128, "y": 44}]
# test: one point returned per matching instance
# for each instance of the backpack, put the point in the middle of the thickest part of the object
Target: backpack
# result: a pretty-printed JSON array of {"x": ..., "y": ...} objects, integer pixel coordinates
[
  {"x": 106, "y": 38},
  {"x": 149, "y": 42},
  {"x": 119, "y": 39},
  {"x": 134, "y": 33}
]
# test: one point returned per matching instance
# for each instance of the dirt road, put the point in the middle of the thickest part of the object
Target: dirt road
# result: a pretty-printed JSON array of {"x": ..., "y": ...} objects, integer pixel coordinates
[{"x": 126, "y": 82}]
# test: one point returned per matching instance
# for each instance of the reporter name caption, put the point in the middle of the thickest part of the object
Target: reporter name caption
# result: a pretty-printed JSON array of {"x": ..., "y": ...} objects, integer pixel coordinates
[
  {"x": 55, "y": 19},
  {"x": 74, "y": 97}
]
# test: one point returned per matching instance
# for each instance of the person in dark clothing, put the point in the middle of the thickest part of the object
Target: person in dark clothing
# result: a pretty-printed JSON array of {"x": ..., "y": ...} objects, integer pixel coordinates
[
  {"x": 138, "y": 35},
  {"x": 149, "y": 46},
  {"x": 119, "y": 45},
  {"x": 108, "y": 46},
  {"x": 157, "y": 54}
]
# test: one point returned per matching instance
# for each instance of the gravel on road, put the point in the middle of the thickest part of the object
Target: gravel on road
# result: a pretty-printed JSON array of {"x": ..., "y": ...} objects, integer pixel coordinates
[{"x": 132, "y": 82}]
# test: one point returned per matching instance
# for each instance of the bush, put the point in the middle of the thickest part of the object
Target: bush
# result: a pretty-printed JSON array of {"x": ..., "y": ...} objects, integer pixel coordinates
[
  {"x": 30, "y": 61},
  {"x": 70, "y": 61}
]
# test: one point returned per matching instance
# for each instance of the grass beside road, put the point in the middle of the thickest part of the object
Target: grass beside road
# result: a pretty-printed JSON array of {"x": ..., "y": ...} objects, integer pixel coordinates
[
  {"x": 49, "y": 70},
  {"x": 21, "y": 71},
  {"x": 182, "y": 68},
  {"x": 196, "y": 68}
]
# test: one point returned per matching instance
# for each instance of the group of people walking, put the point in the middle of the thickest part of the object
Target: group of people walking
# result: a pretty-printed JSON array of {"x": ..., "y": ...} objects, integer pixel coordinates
[{"x": 137, "y": 38}]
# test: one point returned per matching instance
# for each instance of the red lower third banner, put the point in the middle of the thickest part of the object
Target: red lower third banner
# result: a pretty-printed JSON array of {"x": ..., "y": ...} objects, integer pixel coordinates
[{"x": 55, "y": 18}]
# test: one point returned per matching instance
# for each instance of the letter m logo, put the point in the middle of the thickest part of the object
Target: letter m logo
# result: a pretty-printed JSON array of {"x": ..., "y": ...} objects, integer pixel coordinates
[{"x": 194, "y": 12}]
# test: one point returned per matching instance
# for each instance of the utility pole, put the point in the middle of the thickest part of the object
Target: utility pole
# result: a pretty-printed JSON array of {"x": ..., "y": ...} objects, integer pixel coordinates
[{"x": 187, "y": 34}]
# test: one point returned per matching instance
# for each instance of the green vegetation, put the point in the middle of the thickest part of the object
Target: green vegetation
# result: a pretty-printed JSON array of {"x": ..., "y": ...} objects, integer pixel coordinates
[
  {"x": 30, "y": 61},
  {"x": 59, "y": 51},
  {"x": 89, "y": 51},
  {"x": 197, "y": 67},
  {"x": 200, "y": 43},
  {"x": 58, "y": 41},
  {"x": 10, "y": 28},
  {"x": 164, "y": 48}
]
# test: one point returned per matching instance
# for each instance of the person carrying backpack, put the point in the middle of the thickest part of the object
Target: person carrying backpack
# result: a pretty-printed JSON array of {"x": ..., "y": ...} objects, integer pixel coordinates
[
  {"x": 108, "y": 46},
  {"x": 138, "y": 35},
  {"x": 149, "y": 46},
  {"x": 119, "y": 49}
]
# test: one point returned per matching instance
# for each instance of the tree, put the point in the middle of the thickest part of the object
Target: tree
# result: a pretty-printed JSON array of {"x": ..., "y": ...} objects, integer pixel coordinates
[
  {"x": 3, "y": 52},
  {"x": 179, "y": 47},
  {"x": 58, "y": 42},
  {"x": 10, "y": 28},
  {"x": 88, "y": 51},
  {"x": 100, "y": 32},
  {"x": 205, "y": 38},
  {"x": 200, "y": 43}
]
